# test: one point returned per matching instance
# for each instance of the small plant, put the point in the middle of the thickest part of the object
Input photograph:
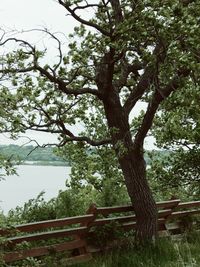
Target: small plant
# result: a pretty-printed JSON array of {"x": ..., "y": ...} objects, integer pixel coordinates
[
  {"x": 30, "y": 262},
  {"x": 187, "y": 223},
  {"x": 103, "y": 235}
]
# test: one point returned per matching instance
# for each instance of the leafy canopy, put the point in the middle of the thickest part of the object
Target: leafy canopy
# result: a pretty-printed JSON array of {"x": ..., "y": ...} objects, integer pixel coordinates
[{"x": 154, "y": 46}]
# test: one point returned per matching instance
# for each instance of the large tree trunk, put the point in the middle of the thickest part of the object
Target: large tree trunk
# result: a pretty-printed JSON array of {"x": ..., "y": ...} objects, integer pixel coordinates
[
  {"x": 134, "y": 170},
  {"x": 129, "y": 154},
  {"x": 133, "y": 165}
]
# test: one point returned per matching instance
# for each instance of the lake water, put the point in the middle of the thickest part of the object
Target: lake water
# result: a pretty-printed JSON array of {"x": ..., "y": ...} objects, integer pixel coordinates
[{"x": 16, "y": 190}]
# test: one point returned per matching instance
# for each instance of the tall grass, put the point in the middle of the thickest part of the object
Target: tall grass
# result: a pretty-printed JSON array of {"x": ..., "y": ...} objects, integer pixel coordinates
[{"x": 184, "y": 252}]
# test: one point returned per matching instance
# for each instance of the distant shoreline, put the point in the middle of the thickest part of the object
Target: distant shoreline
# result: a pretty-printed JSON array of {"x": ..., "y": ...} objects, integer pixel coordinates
[
  {"x": 45, "y": 163},
  {"x": 30, "y": 155}
]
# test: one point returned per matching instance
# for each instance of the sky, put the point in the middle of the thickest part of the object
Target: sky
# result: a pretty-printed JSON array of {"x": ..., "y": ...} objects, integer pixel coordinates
[{"x": 29, "y": 14}]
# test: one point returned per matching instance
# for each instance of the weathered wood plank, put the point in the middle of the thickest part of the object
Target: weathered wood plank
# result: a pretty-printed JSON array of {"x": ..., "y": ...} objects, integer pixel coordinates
[
  {"x": 190, "y": 204},
  {"x": 41, "y": 251},
  {"x": 131, "y": 225},
  {"x": 168, "y": 204},
  {"x": 48, "y": 235},
  {"x": 117, "y": 209},
  {"x": 128, "y": 218},
  {"x": 31, "y": 227},
  {"x": 177, "y": 214}
]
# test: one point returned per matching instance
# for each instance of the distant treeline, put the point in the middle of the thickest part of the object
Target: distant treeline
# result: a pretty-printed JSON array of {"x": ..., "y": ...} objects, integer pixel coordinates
[
  {"x": 37, "y": 155},
  {"x": 47, "y": 156}
]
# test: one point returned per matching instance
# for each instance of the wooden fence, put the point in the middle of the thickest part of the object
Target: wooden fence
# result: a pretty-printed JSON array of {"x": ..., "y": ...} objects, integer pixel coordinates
[{"x": 72, "y": 235}]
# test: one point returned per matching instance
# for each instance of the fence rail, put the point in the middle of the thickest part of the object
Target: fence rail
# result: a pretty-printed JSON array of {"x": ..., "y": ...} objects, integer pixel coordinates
[{"x": 70, "y": 234}]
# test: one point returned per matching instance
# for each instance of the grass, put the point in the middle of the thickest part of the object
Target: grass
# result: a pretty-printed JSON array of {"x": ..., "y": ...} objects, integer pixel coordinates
[{"x": 166, "y": 253}]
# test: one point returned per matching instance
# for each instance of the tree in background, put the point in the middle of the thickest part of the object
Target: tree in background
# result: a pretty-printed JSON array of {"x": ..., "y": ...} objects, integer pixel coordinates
[
  {"x": 127, "y": 52},
  {"x": 97, "y": 169},
  {"x": 177, "y": 129}
]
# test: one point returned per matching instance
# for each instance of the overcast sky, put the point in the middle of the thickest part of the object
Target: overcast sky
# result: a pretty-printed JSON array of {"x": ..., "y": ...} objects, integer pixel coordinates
[
  {"x": 28, "y": 14},
  {"x": 33, "y": 13}
]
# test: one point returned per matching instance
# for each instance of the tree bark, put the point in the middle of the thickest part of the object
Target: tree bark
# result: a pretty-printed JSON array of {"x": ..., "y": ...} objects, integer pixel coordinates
[
  {"x": 133, "y": 165},
  {"x": 134, "y": 170}
]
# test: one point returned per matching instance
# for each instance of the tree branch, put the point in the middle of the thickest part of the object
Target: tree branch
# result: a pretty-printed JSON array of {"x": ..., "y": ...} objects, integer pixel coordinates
[
  {"x": 127, "y": 69},
  {"x": 145, "y": 80},
  {"x": 86, "y": 6},
  {"x": 117, "y": 11},
  {"x": 108, "y": 15},
  {"x": 158, "y": 97},
  {"x": 63, "y": 85},
  {"x": 88, "y": 140},
  {"x": 83, "y": 21},
  {"x": 61, "y": 129},
  {"x": 75, "y": 138}
]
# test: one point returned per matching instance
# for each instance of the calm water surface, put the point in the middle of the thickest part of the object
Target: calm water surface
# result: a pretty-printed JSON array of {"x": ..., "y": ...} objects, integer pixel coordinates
[{"x": 16, "y": 190}]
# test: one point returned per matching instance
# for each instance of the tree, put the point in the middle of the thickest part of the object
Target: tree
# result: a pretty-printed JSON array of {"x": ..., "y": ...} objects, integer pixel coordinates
[
  {"x": 127, "y": 52},
  {"x": 176, "y": 129},
  {"x": 95, "y": 168}
]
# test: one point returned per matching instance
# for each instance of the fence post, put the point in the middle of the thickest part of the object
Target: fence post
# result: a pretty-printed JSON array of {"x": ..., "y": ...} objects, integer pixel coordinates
[
  {"x": 173, "y": 197},
  {"x": 93, "y": 211}
]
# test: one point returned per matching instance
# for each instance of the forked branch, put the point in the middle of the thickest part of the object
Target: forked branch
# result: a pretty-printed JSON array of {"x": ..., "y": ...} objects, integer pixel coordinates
[{"x": 158, "y": 97}]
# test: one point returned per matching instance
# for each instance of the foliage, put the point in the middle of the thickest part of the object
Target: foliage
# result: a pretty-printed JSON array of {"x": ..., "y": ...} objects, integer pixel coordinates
[
  {"x": 34, "y": 210},
  {"x": 178, "y": 123},
  {"x": 176, "y": 128},
  {"x": 6, "y": 167},
  {"x": 151, "y": 60},
  {"x": 98, "y": 169},
  {"x": 176, "y": 174},
  {"x": 71, "y": 202},
  {"x": 104, "y": 235}
]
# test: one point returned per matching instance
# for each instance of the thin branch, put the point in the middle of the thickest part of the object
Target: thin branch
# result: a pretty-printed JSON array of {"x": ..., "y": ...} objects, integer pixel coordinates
[
  {"x": 59, "y": 48},
  {"x": 108, "y": 15},
  {"x": 76, "y": 138},
  {"x": 86, "y": 6},
  {"x": 67, "y": 134},
  {"x": 83, "y": 21},
  {"x": 88, "y": 140},
  {"x": 18, "y": 41},
  {"x": 63, "y": 85},
  {"x": 53, "y": 36},
  {"x": 185, "y": 144},
  {"x": 117, "y": 11},
  {"x": 3, "y": 34},
  {"x": 36, "y": 142},
  {"x": 44, "y": 72}
]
